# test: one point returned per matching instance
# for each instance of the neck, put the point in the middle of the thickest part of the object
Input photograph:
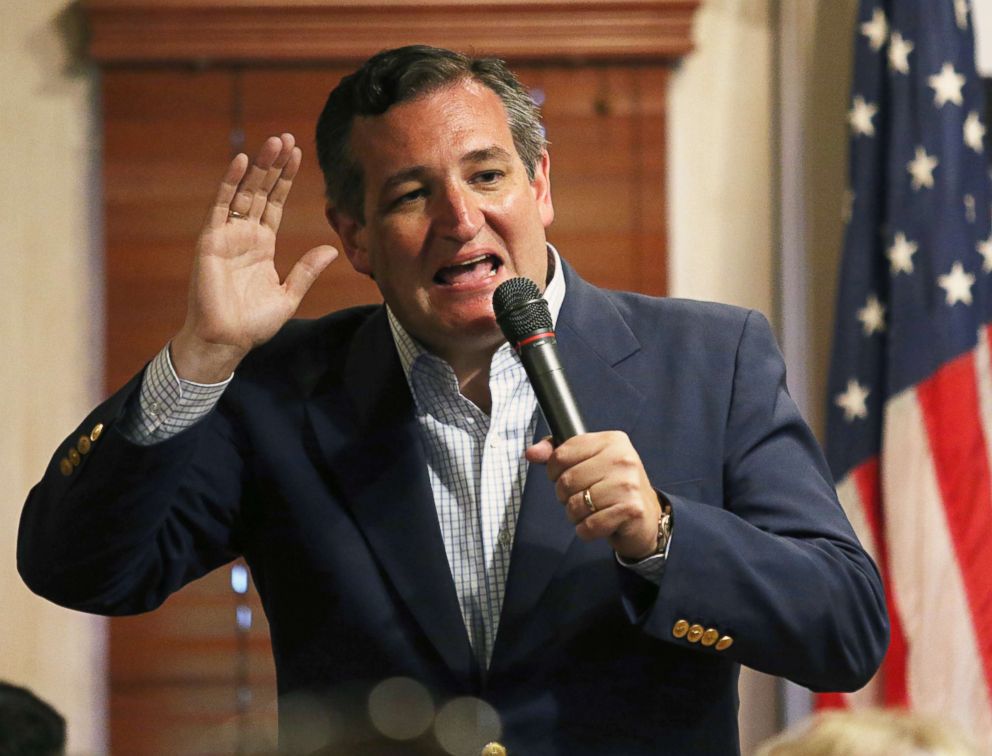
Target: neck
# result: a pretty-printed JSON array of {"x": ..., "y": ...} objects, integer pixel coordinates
[{"x": 472, "y": 372}]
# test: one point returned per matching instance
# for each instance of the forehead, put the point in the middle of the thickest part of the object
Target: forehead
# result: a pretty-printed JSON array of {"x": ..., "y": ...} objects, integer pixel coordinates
[{"x": 431, "y": 130}]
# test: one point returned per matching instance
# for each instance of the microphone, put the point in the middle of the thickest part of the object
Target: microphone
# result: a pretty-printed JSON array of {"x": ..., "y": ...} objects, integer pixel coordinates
[{"x": 525, "y": 320}]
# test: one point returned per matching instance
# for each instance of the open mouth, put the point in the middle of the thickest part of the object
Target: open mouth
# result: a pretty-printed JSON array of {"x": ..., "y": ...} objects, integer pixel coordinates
[{"x": 477, "y": 270}]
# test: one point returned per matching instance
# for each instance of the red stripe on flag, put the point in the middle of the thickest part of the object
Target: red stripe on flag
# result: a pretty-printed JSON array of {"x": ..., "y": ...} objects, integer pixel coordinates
[
  {"x": 831, "y": 701},
  {"x": 950, "y": 405},
  {"x": 894, "y": 688}
]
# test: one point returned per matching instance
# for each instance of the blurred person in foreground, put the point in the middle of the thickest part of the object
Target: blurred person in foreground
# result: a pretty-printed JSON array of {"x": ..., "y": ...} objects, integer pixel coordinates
[
  {"x": 28, "y": 725},
  {"x": 870, "y": 732},
  {"x": 385, "y": 473}
]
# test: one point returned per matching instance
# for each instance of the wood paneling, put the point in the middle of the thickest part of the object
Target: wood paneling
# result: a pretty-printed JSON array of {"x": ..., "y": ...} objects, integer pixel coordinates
[{"x": 349, "y": 30}]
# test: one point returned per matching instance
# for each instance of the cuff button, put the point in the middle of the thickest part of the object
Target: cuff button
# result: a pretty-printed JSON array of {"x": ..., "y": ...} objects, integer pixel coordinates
[
  {"x": 724, "y": 643},
  {"x": 65, "y": 467},
  {"x": 694, "y": 634},
  {"x": 680, "y": 628}
]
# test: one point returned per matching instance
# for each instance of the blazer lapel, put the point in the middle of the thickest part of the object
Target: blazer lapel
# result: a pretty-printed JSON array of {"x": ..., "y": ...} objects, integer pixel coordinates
[
  {"x": 592, "y": 339},
  {"x": 370, "y": 439}
]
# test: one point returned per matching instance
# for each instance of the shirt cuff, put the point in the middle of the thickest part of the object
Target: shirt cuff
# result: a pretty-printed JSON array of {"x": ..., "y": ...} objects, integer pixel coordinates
[
  {"x": 650, "y": 568},
  {"x": 168, "y": 405}
]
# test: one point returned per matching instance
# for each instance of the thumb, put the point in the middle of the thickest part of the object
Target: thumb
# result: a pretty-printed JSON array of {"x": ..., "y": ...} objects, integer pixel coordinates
[
  {"x": 306, "y": 271},
  {"x": 540, "y": 452}
]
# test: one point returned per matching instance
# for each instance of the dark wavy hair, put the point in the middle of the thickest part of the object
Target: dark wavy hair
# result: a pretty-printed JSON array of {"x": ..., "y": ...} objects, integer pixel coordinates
[
  {"x": 28, "y": 725},
  {"x": 405, "y": 73}
]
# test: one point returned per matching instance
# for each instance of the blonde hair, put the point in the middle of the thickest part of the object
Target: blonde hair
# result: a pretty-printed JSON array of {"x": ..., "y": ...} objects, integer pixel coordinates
[{"x": 869, "y": 732}]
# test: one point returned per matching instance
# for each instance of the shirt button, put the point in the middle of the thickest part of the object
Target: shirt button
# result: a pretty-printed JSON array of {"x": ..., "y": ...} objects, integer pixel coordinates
[{"x": 503, "y": 538}]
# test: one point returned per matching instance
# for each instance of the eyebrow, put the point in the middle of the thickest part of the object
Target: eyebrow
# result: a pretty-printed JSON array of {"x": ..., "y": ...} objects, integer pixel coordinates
[
  {"x": 415, "y": 172},
  {"x": 487, "y": 153}
]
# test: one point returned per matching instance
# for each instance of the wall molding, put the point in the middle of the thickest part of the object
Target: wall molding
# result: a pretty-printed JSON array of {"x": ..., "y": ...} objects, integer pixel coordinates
[{"x": 204, "y": 32}]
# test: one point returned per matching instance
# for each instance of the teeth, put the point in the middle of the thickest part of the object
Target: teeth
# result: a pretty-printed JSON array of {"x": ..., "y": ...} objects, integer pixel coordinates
[{"x": 473, "y": 261}]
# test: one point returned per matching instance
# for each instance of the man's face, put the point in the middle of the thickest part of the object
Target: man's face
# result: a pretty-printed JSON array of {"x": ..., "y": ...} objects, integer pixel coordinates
[{"x": 450, "y": 213}]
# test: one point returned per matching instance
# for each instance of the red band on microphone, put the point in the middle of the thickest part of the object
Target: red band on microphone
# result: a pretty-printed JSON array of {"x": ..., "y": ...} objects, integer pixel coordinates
[{"x": 534, "y": 337}]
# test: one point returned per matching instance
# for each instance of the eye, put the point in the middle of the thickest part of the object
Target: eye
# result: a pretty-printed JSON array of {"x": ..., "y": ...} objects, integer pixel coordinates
[
  {"x": 487, "y": 177},
  {"x": 408, "y": 197}
]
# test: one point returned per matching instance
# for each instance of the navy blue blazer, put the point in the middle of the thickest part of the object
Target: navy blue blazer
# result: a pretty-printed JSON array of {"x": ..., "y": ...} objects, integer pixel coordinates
[{"x": 312, "y": 468}]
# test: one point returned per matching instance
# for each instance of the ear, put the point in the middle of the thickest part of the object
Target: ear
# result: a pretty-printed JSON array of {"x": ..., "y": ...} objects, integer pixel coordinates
[
  {"x": 353, "y": 235},
  {"x": 541, "y": 186}
]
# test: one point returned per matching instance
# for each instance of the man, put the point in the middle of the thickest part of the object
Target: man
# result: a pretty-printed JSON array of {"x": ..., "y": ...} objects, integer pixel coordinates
[
  {"x": 382, "y": 472},
  {"x": 28, "y": 725}
]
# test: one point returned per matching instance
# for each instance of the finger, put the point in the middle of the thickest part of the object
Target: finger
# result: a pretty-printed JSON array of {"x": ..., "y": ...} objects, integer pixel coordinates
[
  {"x": 577, "y": 508},
  {"x": 228, "y": 186},
  {"x": 578, "y": 478},
  {"x": 272, "y": 215},
  {"x": 540, "y": 452},
  {"x": 306, "y": 271},
  {"x": 573, "y": 451},
  {"x": 603, "y": 524},
  {"x": 266, "y": 156},
  {"x": 260, "y": 198}
]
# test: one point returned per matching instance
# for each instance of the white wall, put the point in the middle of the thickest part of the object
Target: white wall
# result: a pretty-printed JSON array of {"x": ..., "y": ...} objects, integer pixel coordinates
[
  {"x": 50, "y": 332},
  {"x": 720, "y": 148},
  {"x": 982, "y": 18},
  {"x": 721, "y": 199}
]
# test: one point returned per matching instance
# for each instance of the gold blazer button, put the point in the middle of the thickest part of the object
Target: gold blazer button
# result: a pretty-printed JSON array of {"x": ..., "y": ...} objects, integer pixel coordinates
[{"x": 709, "y": 637}]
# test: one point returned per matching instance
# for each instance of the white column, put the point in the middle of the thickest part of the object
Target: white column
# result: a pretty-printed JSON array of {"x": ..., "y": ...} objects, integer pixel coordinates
[{"x": 51, "y": 329}]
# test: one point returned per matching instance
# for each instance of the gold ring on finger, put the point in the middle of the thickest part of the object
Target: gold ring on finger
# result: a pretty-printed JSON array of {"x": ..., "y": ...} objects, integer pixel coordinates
[
  {"x": 236, "y": 214},
  {"x": 587, "y": 498}
]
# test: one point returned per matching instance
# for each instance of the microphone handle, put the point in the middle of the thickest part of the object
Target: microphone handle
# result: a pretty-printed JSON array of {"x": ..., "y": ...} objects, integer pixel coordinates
[{"x": 554, "y": 395}]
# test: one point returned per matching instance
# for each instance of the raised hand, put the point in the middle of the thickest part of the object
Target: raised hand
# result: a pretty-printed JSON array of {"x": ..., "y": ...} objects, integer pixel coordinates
[
  {"x": 236, "y": 299},
  {"x": 620, "y": 506}
]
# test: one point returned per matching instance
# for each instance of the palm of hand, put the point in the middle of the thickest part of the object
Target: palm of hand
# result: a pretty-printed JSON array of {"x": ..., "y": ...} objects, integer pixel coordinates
[{"x": 236, "y": 298}]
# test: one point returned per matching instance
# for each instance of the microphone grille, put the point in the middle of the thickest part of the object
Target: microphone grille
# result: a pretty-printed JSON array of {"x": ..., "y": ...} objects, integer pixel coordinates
[{"x": 520, "y": 310}]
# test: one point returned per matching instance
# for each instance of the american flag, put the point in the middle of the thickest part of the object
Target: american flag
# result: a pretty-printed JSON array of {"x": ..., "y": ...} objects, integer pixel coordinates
[{"x": 909, "y": 428}]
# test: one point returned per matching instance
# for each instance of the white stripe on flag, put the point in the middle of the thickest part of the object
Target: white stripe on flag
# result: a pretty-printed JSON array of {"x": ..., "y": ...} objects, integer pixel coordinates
[
  {"x": 944, "y": 673},
  {"x": 983, "y": 375},
  {"x": 850, "y": 499}
]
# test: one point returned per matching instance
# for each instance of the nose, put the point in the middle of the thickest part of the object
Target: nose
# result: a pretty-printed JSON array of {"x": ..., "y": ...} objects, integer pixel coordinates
[{"x": 458, "y": 214}]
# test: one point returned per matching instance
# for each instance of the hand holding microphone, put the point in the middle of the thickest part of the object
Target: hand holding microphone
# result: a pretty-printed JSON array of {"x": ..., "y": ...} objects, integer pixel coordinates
[{"x": 599, "y": 477}]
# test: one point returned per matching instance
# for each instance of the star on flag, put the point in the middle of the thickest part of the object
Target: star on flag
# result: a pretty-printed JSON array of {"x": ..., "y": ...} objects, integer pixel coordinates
[
  {"x": 899, "y": 50},
  {"x": 853, "y": 401},
  {"x": 901, "y": 253},
  {"x": 974, "y": 132},
  {"x": 860, "y": 116},
  {"x": 872, "y": 316},
  {"x": 984, "y": 248},
  {"x": 957, "y": 284},
  {"x": 876, "y": 30},
  {"x": 921, "y": 169},
  {"x": 961, "y": 14},
  {"x": 947, "y": 86}
]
